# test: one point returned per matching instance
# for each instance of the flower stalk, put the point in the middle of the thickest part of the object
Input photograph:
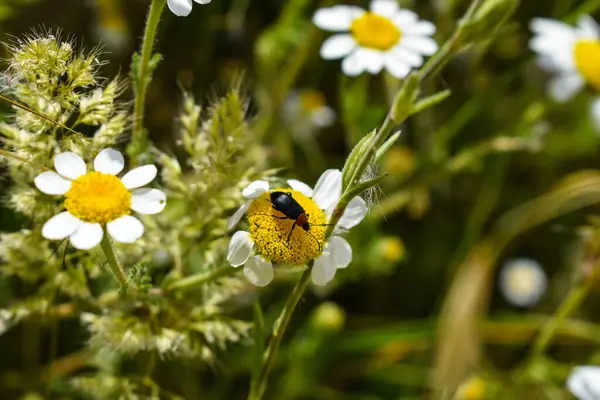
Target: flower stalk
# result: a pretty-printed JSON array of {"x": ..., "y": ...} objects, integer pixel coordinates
[
  {"x": 114, "y": 265},
  {"x": 199, "y": 279}
]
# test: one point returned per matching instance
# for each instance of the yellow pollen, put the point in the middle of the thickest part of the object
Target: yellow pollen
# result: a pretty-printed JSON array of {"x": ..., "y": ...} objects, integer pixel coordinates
[
  {"x": 311, "y": 100},
  {"x": 98, "y": 197},
  {"x": 375, "y": 32},
  {"x": 587, "y": 61},
  {"x": 270, "y": 234}
]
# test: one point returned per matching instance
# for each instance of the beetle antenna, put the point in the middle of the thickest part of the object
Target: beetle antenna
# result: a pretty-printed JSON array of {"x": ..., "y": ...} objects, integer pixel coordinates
[
  {"x": 316, "y": 240},
  {"x": 56, "y": 249}
]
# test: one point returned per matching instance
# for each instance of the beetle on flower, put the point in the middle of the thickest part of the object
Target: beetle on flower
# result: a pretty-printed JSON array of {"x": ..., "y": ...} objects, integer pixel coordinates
[{"x": 273, "y": 240}]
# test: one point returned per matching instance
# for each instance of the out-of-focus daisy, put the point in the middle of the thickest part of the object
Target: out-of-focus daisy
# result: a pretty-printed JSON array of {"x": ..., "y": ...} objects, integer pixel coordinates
[
  {"x": 98, "y": 200},
  {"x": 306, "y": 112},
  {"x": 112, "y": 28},
  {"x": 584, "y": 382},
  {"x": 183, "y": 8},
  {"x": 522, "y": 282},
  {"x": 572, "y": 54},
  {"x": 384, "y": 37},
  {"x": 272, "y": 239}
]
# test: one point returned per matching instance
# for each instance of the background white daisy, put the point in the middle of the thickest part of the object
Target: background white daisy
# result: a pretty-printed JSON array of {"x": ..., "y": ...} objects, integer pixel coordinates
[
  {"x": 183, "y": 8},
  {"x": 384, "y": 37},
  {"x": 584, "y": 382}
]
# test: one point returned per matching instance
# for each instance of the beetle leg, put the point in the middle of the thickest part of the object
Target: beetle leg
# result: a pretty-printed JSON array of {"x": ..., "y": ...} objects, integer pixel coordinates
[{"x": 290, "y": 234}]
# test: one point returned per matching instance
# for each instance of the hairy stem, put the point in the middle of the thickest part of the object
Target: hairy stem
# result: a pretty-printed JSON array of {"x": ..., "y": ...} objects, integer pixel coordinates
[
  {"x": 199, "y": 279},
  {"x": 278, "y": 332},
  {"x": 114, "y": 265}
]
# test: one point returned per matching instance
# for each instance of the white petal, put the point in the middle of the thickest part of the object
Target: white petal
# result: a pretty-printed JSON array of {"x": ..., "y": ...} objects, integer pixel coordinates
[
  {"x": 126, "y": 229},
  {"x": 50, "y": 182},
  {"x": 386, "y": 8},
  {"x": 405, "y": 17},
  {"x": 422, "y": 44},
  {"x": 340, "y": 250},
  {"x": 550, "y": 26},
  {"x": 255, "y": 189},
  {"x": 406, "y": 56},
  {"x": 109, "y": 161},
  {"x": 396, "y": 66},
  {"x": 202, "y": 1},
  {"x": 61, "y": 226},
  {"x": 258, "y": 271},
  {"x": 353, "y": 65},
  {"x": 588, "y": 28},
  {"x": 337, "y": 18},
  {"x": 139, "y": 176},
  {"x": 323, "y": 270},
  {"x": 420, "y": 28},
  {"x": 595, "y": 111},
  {"x": 148, "y": 201},
  {"x": 86, "y": 236},
  {"x": 181, "y": 8},
  {"x": 373, "y": 60},
  {"x": 337, "y": 46},
  {"x": 355, "y": 212},
  {"x": 301, "y": 187},
  {"x": 563, "y": 87},
  {"x": 328, "y": 189},
  {"x": 237, "y": 216},
  {"x": 584, "y": 382},
  {"x": 240, "y": 248},
  {"x": 69, "y": 165},
  {"x": 323, "y": 117}
]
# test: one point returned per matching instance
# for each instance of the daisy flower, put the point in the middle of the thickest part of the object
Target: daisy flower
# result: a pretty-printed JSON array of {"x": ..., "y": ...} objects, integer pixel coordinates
[
  {"x": 522, "y": 282},
  {"x": 571, "y": 54},
  {"x": 183, "y": 8},
  {"x": 384, "y": 37},
  {"x": 584, "y": 382},
  {"x": 306, "y": 111},
  {"x": 98, "y": 200},
  {"x": 272, "y": 238}
]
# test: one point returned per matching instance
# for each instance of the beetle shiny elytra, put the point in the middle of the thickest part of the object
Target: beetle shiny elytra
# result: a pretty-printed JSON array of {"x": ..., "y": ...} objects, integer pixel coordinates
[{"x": 288, "y": 206}]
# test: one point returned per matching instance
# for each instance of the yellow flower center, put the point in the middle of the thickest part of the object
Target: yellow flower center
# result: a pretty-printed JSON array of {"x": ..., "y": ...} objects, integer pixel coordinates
[
  {"x": 587, "y": 61},
  {"x": 393, "y": 249},
  {"x": 270, "y": 231},
  {"x": 375, "y": 32},
  {"x": 311, "y": 100},
  {"x": 98, "y": 197}
]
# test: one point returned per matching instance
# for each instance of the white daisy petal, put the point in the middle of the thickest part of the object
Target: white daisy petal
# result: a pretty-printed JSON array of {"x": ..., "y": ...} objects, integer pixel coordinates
[
  {"x": 125, "y": 229},
  {"x": 406, "y": 56},
  {"x": 328, "y": 189},
  {"x": 69, "y": 165},
  {"x": 563, "y": 87},
  {"x": 255, "y": 189},
  {"x": 240, "y": 248},
  {"x": 50, "y": 182},
  {"x": 595, "y": 111},
  {"x": 337, "y": 18},
  {"x": 139, "y": 176},
  {"x": 301, "y": 187},
  {"x": 109, "y": 161},
  {"x": 337, "y": 46},
  {"x": 237, "y": 216},
  {"x": 373, "y": 60},
  {"x": 353, "y": 65},
  {"x": 148, "y": 201},
  {"x": 340, "y": 250},
  {"x": 420, "y": 28},
  {"x": 588, "y": 28},
  {"x": 202, "y": 1},
  {"x": 405, "y": 17},
  {"x": 61, "y": 226},
  {"x": 258, "y": 271},
  {"x": 396, "y": 66},
  {"x": 355, "y": 212},
  {"x": 181, "y": 8},
  {"x": 550, "y": 26},
  {"x": 323, "y": 270},
  {"x": 584, "y": 382},
  {"x": 86, "y": 236},
  {"x": 422, "y": 44},
  {"x": 386, "y": 8}
]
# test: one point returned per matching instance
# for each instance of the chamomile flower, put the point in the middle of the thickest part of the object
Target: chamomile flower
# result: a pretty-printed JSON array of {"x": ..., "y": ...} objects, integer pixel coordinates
[
  {"x": 98, "y": 200},
  {"x": 584, "y": 382},
  {"x": 183, "y": 8},
  {"x": 272, "y": 238},
  {"x": 522, "y": 282},
  {"x": 306, "y": 112},
  {"x": 384, "y": 37},
  {"x": 572, "y": 54}
]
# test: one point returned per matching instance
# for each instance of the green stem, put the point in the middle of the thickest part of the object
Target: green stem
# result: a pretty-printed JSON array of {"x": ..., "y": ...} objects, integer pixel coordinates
[
  {"x": 116, "y": 269},
  {"x": 143, "y": 78},
  {"x": 278, "y": 332},
  {"x": 199, "y": 279}
]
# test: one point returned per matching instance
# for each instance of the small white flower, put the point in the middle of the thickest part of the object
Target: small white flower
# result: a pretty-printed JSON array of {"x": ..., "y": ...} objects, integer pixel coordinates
[
  {"x": 183, "y": 8},
  {"x": 384, "y": 37},
  {"x": 98, "y": 200},
  {"x": 274, "y": 239},
  {"x": 305, "y": 112},
  {"x": 522, "y": 282},
  {"x": 584, "y": 382}
]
